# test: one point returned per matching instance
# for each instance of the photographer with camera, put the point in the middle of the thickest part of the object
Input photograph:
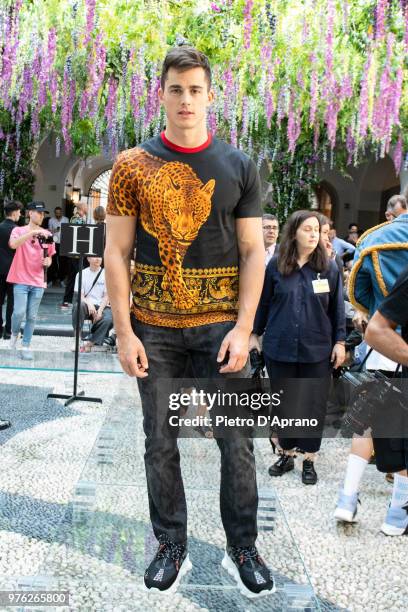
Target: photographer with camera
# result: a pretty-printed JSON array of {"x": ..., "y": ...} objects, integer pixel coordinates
[
  {"x": 382, "y": 336},
  {"x": 34, "y": 248}
]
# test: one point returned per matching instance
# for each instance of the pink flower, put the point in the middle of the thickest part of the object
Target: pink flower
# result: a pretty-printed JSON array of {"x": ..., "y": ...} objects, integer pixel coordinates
[
  {"x": 248, "y": 22},
  {"x": 397, "y": 157}
]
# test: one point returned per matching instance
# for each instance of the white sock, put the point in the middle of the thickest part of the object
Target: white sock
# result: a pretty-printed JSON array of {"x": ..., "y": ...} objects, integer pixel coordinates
[
  {"x": 399, "y": 491},
  {"x": 354, "y": 473}
]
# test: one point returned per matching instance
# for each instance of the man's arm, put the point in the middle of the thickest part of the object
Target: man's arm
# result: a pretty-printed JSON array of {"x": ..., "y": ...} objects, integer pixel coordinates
[
  {"x": 120, "y": 236},
  {"x": 382, "y": 337},
  {"x": 14, "y": 243},
  {"x": 251, "y": 277}
]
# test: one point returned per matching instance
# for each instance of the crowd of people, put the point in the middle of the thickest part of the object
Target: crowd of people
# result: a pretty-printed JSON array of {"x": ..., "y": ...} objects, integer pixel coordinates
[{"x": 201, "y": 299}]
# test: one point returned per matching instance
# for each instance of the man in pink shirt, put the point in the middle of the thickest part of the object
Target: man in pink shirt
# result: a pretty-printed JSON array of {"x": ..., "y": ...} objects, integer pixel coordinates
[{"x": 27, "y": 275}]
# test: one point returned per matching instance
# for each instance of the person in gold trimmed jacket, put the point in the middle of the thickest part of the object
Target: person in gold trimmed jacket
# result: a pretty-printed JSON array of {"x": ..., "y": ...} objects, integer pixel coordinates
[{"x": 381, "y": 255}]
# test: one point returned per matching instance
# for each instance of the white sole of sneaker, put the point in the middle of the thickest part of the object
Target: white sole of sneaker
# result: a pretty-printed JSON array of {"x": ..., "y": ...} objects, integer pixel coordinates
[
  {"x": 346, "y": 516},
  {"x": 185, "y": 568},
  {"x": 390, "y": 530},
  {"x": 229, "y": 565}
]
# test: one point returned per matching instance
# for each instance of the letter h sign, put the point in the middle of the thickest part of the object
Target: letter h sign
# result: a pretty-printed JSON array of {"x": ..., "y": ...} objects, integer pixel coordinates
[{"x": 82, "y": 240}]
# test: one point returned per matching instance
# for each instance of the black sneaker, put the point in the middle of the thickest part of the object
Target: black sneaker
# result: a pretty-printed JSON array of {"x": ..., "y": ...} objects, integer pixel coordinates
[
  {"x": 169, "y": 565},
  {"x": 6, "y": 336},
  {"x": 309, "y": 476},
  {"x": 249, "y": 571},
  {"x": 285, "y": 463}
]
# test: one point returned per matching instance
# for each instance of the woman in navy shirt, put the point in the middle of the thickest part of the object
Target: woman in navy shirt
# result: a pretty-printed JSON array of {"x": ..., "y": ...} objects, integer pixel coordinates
[{"x": 301, "y": 314}]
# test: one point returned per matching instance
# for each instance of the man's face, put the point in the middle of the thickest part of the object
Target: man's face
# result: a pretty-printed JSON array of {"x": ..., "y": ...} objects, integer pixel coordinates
[
  {"x": 353, "y": 229},
  {"x": 36, "y": 216},
  {"x": 270, "y": 231},
  {"x": 15, "y": 215},
  {"x": 398, "y": 210},
  {"x": 186, "y": 98},
  {"x": 58, "y": 213},
  {"x": 95, "y": 262},
  {"x": 332, "y": 233}
]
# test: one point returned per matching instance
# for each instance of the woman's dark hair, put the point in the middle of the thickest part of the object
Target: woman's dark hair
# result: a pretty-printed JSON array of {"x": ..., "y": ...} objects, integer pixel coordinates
[
  {"x": 288, "y": 254},
  {"x": 184, "y": 58}
]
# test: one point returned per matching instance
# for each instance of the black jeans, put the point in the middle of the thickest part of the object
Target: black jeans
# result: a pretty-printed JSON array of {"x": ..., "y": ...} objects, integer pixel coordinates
[
  {"x": 168, "y": 351},
  {"x": 306, "y": 401},
  {"x": 6, "y": 290}
]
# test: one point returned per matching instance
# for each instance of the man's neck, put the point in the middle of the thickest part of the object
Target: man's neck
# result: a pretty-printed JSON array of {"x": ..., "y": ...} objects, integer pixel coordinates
[
  {"x": 95, "y": 269},
  {"x": 190, "y": 139},
  {"x": 33, "y": 225}
]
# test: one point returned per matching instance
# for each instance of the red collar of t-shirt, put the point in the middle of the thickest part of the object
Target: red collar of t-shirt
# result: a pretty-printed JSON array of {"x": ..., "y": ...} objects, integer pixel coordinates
[{"x": 176, "y": 147}]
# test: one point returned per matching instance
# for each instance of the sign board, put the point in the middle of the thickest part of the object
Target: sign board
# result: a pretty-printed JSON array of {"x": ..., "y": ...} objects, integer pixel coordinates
[{"x": 86, "y": 240}]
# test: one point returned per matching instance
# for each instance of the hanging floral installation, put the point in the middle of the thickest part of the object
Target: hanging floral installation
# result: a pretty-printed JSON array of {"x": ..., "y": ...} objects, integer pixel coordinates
[{"x": 296, "y": 83}]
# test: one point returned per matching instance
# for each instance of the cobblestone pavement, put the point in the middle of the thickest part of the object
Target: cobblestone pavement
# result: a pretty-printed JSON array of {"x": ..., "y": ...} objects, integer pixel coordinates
[{"x": 73, "y": 511}]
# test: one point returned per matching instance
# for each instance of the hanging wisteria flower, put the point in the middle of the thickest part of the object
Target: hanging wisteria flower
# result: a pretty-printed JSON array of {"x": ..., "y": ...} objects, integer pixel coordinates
[
  {"x": 90, "y": 19},
  {"x": 380, "y": 18},
  {"x": 397, "y": 157},
  {"x": 248, "y": 23}
]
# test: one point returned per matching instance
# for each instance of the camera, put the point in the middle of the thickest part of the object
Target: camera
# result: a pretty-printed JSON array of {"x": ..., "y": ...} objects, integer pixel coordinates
[
  {"x": 377, "y": 403},
  {"x": 45, "y": 239}
]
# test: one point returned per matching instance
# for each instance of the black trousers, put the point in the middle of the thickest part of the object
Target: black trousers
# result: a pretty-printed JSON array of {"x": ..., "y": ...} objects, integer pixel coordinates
[
  {"x": 59, "y": 267},
  {"x": 304, "y": 400},
  {"x": 6, "y": 291},
  {"x": 169, "y": 351},
  {"x": 100, "y": 329}
]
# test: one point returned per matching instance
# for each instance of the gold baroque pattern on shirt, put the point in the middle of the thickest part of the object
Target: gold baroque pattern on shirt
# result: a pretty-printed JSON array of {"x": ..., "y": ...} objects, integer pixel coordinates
[{"x": 214, "y": 289}]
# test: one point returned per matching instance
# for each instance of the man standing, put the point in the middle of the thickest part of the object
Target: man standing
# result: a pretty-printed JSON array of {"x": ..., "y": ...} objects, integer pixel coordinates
[
  {"x": 79, "y": 218},
  {"x": 382, "y": 336},
  {"x": 12, "y": 212},
  {"x": 58, "y": 268},
  {"x": 27, "y": 274},
  {"x": 270, "y": 228},
  {"x": 380, "y": 257},
  {"x": 340, "y": 246},
  {"x": 194, "y": 203}
]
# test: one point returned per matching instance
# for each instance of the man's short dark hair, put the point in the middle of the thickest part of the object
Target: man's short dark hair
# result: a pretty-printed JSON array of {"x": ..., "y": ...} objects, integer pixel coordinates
[
  {"x": 11, "y": 206},
  {"x": 352, "y": 225},
  {"x": 397, "y": 199},
  {"x": 57, "y": 208},
  {"x": 184, "y": 58},
  {"x": 269, "y": 217}
]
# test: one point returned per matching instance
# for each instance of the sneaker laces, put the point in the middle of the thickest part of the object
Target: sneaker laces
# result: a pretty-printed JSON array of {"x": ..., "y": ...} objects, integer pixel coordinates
[{"x": 246, "y": 553}]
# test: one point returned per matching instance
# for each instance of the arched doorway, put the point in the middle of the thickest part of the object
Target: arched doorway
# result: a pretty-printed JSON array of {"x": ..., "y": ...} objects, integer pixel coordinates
[
  {"x": 98, "y": 191},
  {"x": 325, "y": 200}
]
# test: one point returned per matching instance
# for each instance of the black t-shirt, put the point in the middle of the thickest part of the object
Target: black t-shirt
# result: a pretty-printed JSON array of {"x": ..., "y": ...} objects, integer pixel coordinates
[
  {"x": 6, "y": 253},
  {"x": 186, "y": 202},
  {"x": 395, "y": 306}
]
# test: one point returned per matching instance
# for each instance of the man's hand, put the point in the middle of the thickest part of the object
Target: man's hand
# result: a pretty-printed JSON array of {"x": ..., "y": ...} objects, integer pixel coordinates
[
  {"x": 360, "y": 321},
  {"x": 38, "y": 232},
  {"x": 91, "y": 309},
  {"x": 47, "y": 261},
  {"x": 236, "y": 343},
  {"x": 338, "y": 355},
  {"x": 98, "y": 315},
  {"x": 254, "y": 343},
  {"x": 132, "y": 356}
]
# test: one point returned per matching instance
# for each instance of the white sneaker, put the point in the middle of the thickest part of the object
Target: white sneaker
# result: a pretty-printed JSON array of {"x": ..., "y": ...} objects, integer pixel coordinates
[
  {"x": 13, "y": 342},
  {"x": 25, "y": 353}
]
